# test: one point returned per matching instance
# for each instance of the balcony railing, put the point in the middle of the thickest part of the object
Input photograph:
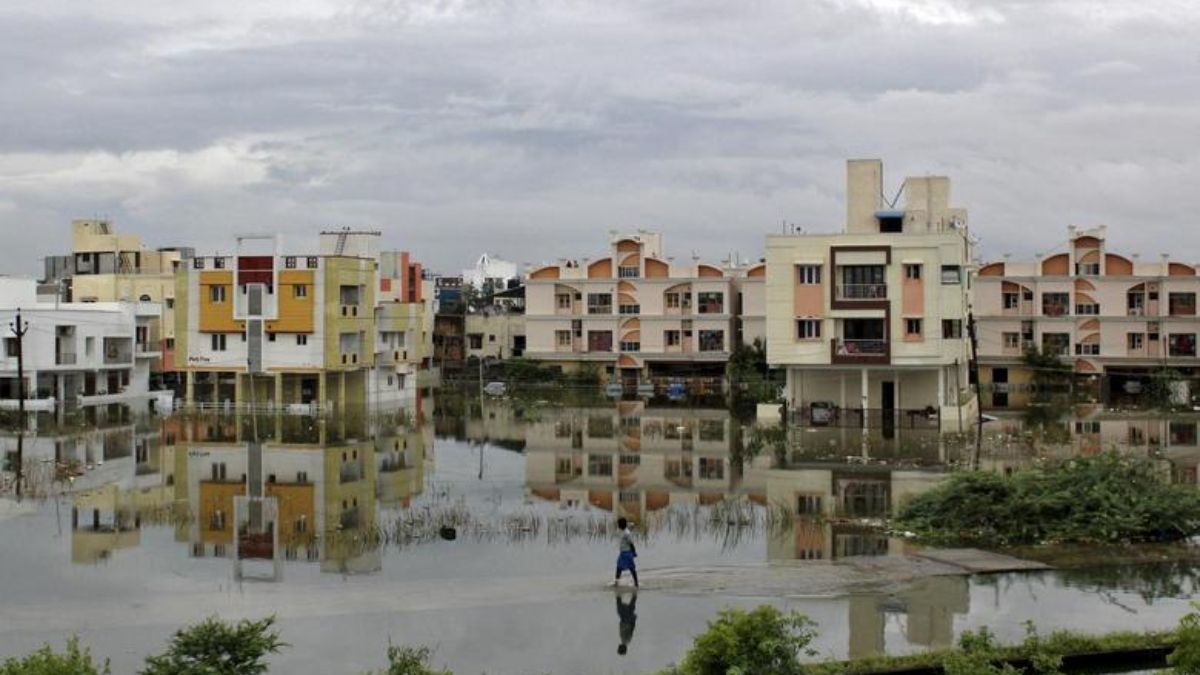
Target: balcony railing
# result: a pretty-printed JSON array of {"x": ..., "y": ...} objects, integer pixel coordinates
[
  {"x": 65, "y": 359},
  {"x": 862, "y": 292},
  {"x": 848, "y": 347},
  {"x": 1055, "y": 309}
]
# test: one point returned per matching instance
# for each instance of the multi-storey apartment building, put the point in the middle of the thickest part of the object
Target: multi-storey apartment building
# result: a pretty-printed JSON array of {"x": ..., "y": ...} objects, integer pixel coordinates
[
  {"x": 105, "y": 266},
  {"x": 310, "y": 326},
  {"x": 871, "y": 322},
  {"x": 86, "y": 353},
  {"x": 634, "y": 313},
  {"x": 1100, "y": 311}
]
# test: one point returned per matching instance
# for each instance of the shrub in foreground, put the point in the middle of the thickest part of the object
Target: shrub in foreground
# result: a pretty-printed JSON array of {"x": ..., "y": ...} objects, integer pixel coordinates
[
  {"x": 411, "y": 661},
  {"x": 45, "y": 661},
  {"x": 1106, "y": 498},
  {"x": 740, "y": 642},
  {"x": 216, "y": 647}
]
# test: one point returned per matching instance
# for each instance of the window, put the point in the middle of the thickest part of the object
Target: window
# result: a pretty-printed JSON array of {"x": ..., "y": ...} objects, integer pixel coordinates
[
  {"x": 475, "y": 340},
  {"x": 711, "y": 302},
  {"x": 912, "y": 271},
  {"x": 1087, "y": 269},
  {"x": 1182, "y": 344},
  {"x": 1087, "y": 349},
  {"x": 808, "y": 274},
  {"x": 311, "y": 262},
  {"x": 599, "y": 465},
  {"x": 712, "y": 340},
  {"x": 671, "y": 338},
  {"x": 218, "y": 263},
  {"x": 862, "y": 282},
  {"x": 1135, "y": 341},
  {"x": 491, "y": 337},
  {"x": 299, "y": 291},
  {"x": 912, "y": 327},
  {"x": 712, "y": 468},
  {"x": 270, "y": 337},
  {"x": 218, "y": 342},
  {"x": 1181, "y": 304},
  {"x": 197, "y": 263},
  {"x": 562, "y": 338},
  {"x": 1087, "y": 308},
  {"x": 170, "y": 303},
  {"x": 1135, "y": 303},
  {"x": 672, "y": 300},
  {"x": 11, "y": 348},
  {"x": 808, "y": 505},
  {"x": 808, "y": 329},
  {"x": 1057, "y": 344},
  {"x": 1087, "y": 427},
  {"x": 631, "y": 346},
  {"x": 600, "y": 341},
  {"x": 1011, "y": 340},
  {"x": 599, "y": 303},
  {"x": 1056, "y": 304},
  {"x": 626, "y": 272},
  {"x": 563, "y": 300},
  {"x": 951, "y": 274},
  {"x": 301, "y": 340},
  {"x": 290, "y": 262},
  {"x": 216, "y": 294},
  {"x": 1011, "y": 300},
  {"x": 630, "y": 309},
  {"x": 951, "y": 329}
]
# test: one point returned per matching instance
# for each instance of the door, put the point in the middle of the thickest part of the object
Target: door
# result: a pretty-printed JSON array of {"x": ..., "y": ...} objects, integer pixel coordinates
[{"x": 887, "y": 395}]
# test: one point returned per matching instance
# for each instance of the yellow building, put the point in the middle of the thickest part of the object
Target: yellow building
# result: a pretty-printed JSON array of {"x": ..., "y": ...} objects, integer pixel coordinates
[{"x": 105, "y": 266}]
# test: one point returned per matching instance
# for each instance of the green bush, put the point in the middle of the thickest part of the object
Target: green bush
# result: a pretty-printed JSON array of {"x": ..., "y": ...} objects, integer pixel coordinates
[
  {"x": 75, "y": 661},
  {"x": 216, "y": 647},
  {"x": 740, "y": 642},
  {"x": 411, "y": 661},
  {"x": 1185, "y": 659},
  {"x": 1107, "y": 498}
]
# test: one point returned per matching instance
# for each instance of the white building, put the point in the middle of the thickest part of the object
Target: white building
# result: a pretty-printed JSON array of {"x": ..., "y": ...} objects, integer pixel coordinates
[
  {"x": 84, "y": 353},
  {"x": 490, "y": 268}
]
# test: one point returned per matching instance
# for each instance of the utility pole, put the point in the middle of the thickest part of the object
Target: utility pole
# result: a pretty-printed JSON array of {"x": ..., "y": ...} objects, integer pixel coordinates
[
  {"x": 19, "y": 329},
  {"x": 975, "y": 376}
]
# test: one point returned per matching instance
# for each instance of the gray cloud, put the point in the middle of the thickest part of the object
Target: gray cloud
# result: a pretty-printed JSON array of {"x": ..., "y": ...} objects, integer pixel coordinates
[{"x": 531, "y": 128}]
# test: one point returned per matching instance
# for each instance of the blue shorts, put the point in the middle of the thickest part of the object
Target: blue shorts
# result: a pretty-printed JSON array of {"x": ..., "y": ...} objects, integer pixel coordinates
[{"x": 625, "y": 561}]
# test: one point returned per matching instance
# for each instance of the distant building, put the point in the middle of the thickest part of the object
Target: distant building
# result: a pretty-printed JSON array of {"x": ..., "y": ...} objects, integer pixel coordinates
[
  {"x": 635, "y": 314},
  {"x": 491, "y": 272},
  {"x": 104, "y": 266},
  {"x": 872, "y": 321},
  {"x": 1100, "y": 312},
  {"x": 86, "y": 353}
]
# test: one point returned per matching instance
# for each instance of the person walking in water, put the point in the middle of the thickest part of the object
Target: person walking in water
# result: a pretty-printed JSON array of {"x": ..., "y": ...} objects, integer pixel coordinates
[{"x": 627, "y": 553}]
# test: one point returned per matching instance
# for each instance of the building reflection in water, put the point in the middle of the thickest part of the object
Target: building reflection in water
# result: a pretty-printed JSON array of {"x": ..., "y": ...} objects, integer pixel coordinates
[{"x": 319, "y": 486}]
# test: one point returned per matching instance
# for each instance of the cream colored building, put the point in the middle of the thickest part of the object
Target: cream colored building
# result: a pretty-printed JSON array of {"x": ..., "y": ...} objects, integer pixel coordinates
[
  {"x": 495, "y": 333},
  {"x": 1098, "y": 310},
  {"x": 872, "y": 320},
  {"x": 634, "y": 313},
  {"x": 105, "y": 266}
]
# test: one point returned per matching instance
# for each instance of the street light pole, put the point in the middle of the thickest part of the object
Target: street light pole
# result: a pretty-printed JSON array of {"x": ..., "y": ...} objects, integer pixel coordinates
[{"x": 19, "y": 329}]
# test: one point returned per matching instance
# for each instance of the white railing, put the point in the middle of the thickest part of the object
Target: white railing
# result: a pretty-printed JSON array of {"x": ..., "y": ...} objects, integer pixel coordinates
[{"x": 862, "y": 292}]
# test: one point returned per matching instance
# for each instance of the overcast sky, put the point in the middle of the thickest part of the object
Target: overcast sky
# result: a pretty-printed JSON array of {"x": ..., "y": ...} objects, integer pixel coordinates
[{"x": 529, "y": 129}]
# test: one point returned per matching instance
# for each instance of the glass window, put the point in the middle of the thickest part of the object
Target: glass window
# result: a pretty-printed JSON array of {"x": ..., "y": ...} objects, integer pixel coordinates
[
  {"x": 1011, "y": 300},
  {"x": 599, "y": 303},
  {"x": 808, "y": 329},
  {"x": 952, "y": 329},
  {"x": 711, "y": 302},
  {"x": 1056, "y": 304},
  {"x": 712, "y": 340},
  {"x": 912, "y": 326},
  {"x": 216, "y": 294},
  {"x": 1181, "y": 304},
  {"x": 951, "y": 274},
  {"x": 808, "y": 274},
  {"x": 912, "y": 271},
  {"x": 1135, "y": 340},
  {"x": 1012, "y": 340}
]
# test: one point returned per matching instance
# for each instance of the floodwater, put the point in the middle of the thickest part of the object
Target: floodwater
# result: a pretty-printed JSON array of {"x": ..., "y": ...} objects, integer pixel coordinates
[{"x": 141, "y": 523}]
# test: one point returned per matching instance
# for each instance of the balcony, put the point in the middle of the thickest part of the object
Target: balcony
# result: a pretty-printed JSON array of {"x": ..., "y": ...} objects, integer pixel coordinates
[
  {"x": 118, "y": 351},
  {"x": 65, "y": 359},
  {"x": 847, "y": 347},
  {"x": 862, "y": 292}
]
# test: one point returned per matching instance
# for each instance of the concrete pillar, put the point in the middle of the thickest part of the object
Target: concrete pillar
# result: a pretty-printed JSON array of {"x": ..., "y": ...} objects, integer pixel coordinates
[
  {"x": 323, "y": 390},
  {"x": 865, "y": 394},
  {"x": 941, "y": 393},
  {"x": 278, "y": 390},
  {"x": 341, "y": 404},
  {"x": 216, "y": 382},
  {"x": 189, "y": 387},
  {"x": 238, "y": 389}
]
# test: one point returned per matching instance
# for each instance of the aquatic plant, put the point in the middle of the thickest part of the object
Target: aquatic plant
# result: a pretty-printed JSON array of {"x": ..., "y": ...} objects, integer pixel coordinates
[
  {"x": 1106, "y": 498},
  {"x": 411, "y": 661},
  {"x": 216, "y": 647},
  {"x": 75, "y": 660}
]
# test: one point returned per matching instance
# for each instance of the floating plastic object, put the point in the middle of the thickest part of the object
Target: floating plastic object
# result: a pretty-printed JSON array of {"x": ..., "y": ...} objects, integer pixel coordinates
[{"x": 448, "y": 533}]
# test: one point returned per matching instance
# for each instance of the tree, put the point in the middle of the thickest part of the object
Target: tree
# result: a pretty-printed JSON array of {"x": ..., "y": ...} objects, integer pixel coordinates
[
  {"x": 216, "y": 647},
  {"x": 740, "y": 642}
]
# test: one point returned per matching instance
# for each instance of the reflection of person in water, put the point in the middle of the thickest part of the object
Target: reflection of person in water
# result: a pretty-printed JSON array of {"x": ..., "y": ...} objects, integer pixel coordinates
[{"x": 627, "y": 613}]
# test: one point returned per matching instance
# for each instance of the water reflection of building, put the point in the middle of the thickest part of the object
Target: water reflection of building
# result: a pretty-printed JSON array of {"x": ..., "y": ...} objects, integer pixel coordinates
[
  {"x": 324, "y": 479},
  {"x": 633, "y": 459},
  {"x": 927, "y": 605}
]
